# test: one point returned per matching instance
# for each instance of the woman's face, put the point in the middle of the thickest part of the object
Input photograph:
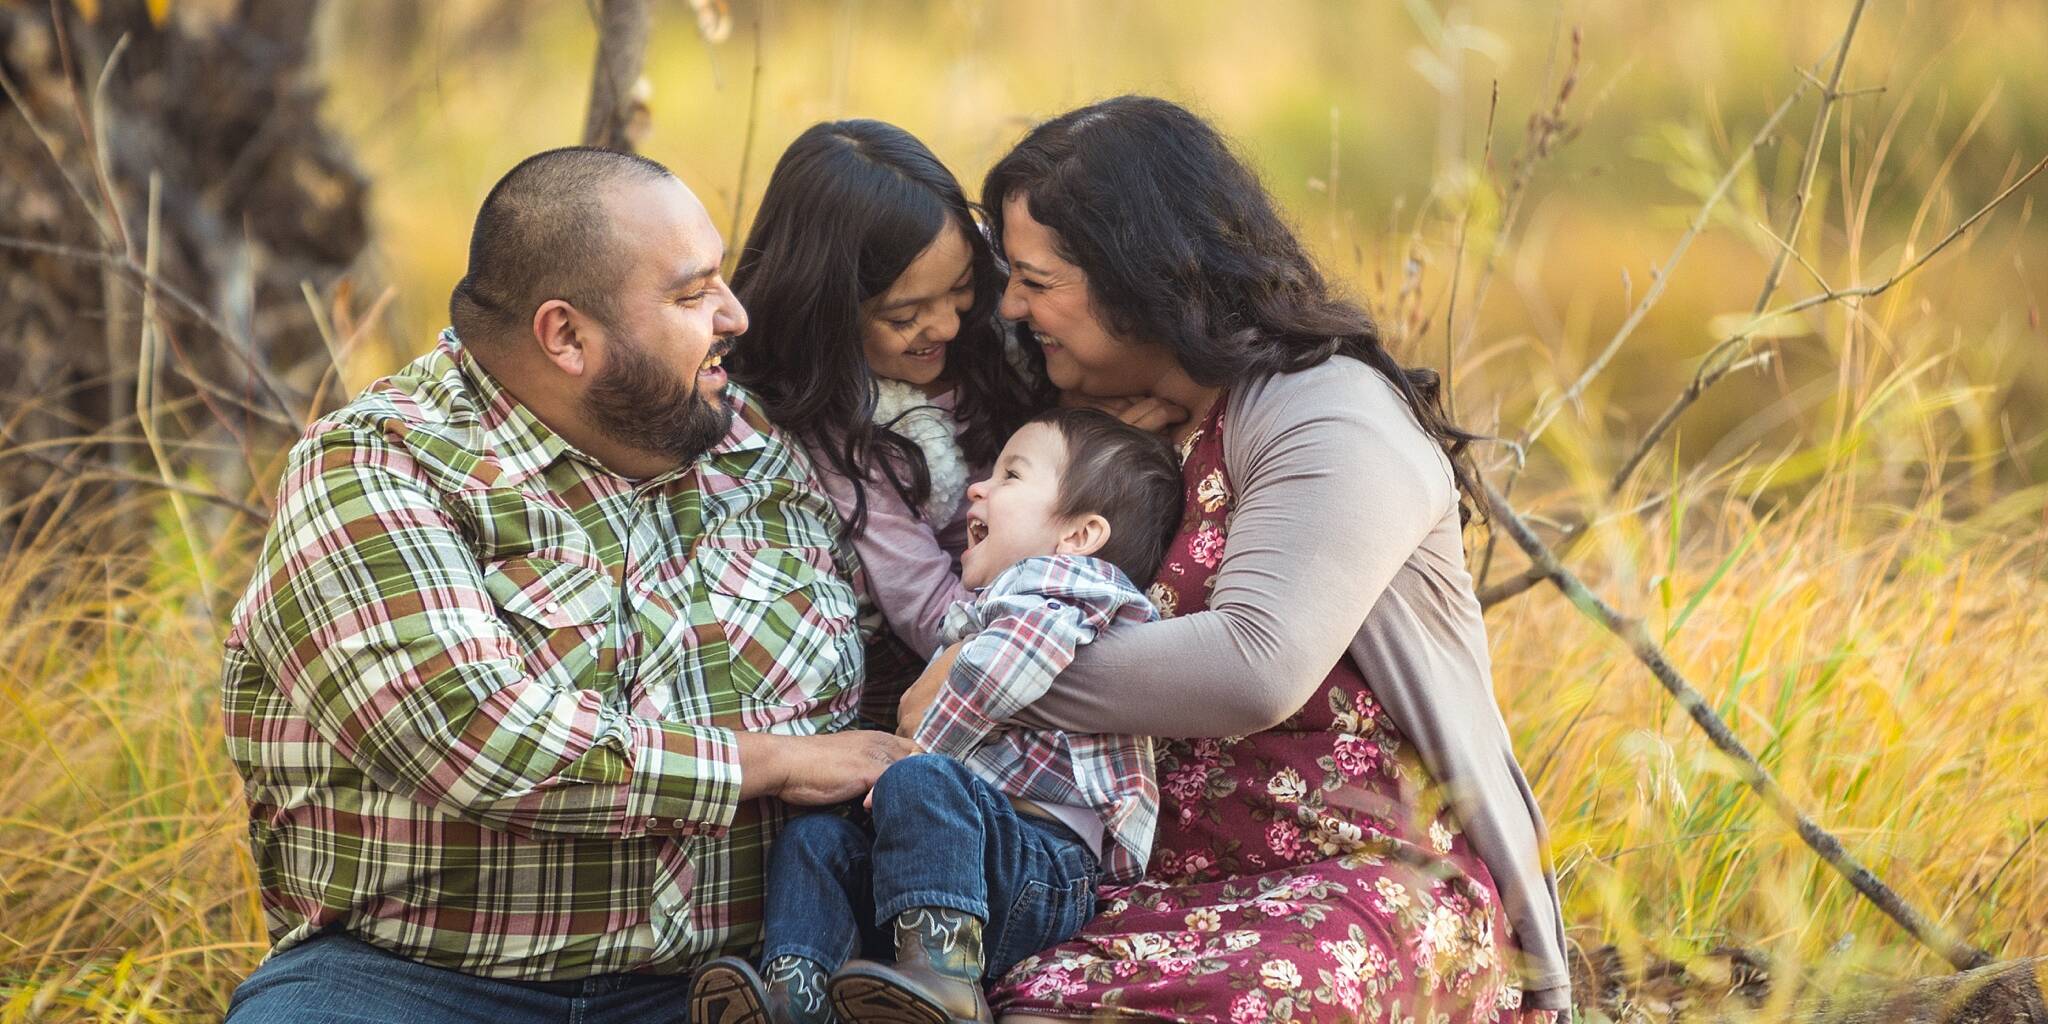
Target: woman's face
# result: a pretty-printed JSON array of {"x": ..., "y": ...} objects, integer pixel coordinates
[
  {"x": 1050, "y": 296},
  {"x": 905, "y": 330}
]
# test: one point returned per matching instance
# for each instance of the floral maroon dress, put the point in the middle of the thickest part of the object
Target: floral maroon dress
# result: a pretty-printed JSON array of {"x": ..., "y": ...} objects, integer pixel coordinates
[{"x": 1300, "y": 874}]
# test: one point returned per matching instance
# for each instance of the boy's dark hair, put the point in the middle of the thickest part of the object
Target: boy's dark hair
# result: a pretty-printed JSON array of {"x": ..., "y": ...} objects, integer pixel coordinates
[{"x": 1125, "y": 475}]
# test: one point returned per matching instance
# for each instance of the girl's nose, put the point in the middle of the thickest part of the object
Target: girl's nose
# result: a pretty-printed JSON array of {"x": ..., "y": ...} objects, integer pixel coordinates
[
  {"x": 947, "y": 325},
  {"x": 977, "y": 490}
]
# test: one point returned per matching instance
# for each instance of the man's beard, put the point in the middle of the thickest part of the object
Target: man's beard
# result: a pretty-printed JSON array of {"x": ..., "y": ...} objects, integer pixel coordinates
[{"x": 637, "y": 402}]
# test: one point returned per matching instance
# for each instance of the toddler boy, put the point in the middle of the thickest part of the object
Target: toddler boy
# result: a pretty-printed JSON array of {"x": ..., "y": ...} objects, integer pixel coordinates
[{"x": 989, "y": 847}]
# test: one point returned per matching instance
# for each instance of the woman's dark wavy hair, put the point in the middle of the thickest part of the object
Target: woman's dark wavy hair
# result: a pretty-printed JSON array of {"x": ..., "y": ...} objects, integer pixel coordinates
[
  {"x": 1182, "y": 245},
  {"x": 849, "y": 206}
]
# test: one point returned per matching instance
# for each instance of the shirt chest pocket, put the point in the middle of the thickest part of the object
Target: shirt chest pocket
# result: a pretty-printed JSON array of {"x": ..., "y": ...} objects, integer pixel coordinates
[
  {"x": 558, "y": 611},
  {"x": 790, "y": 626}
]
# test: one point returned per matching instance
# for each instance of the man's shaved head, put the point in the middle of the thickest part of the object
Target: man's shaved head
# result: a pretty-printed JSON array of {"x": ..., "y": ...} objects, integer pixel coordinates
[{"x": 546, "y": 231}]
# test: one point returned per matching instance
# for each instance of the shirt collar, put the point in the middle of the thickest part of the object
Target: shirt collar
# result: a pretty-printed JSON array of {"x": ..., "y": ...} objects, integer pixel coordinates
[{"x": 512, "y": 434}]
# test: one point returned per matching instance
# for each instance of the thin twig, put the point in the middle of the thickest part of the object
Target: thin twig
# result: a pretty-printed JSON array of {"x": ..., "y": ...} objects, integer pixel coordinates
[
  {"x": 1661, "y": 277},
  {"x": 1810, "y": 162},
  {"x": 145, "y": 389},
  {"x": 285, "y": 416},
  {"x": 739, "y": 189},
  {"x": 1712, "y": 370},
  {"x": 1928, "y": 931}
]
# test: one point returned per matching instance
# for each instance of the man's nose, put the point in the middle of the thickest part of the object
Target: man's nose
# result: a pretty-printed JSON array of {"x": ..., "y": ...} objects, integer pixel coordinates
[{"x": 731, "y": 320}]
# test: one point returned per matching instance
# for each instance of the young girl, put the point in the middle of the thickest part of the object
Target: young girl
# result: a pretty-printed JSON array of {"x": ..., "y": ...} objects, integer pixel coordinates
[{"x": 871, "y": 291}]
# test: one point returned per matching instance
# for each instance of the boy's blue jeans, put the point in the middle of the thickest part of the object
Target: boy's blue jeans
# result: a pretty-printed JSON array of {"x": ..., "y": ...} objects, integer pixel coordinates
[{"x": 941, "y": 837}]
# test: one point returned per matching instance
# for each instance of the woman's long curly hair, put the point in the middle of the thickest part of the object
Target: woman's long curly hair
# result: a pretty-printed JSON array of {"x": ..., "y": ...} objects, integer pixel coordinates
[
  {"x": 1182, "y": 245},
  {"x": 848, "y": 208}
]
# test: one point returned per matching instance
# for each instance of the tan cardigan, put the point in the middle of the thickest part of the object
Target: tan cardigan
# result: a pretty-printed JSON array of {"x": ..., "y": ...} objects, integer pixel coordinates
[{"x": 1344, "y": 539}]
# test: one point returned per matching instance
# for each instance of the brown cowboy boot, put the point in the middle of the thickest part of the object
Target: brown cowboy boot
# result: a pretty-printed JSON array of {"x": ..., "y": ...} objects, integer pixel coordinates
[
  {"x": 936, "y": 978},
  {"x": 727, "y": 991}
]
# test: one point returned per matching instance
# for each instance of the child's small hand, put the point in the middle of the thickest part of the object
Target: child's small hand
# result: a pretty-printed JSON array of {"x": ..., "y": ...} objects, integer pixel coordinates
[{"x": 868, "y": 802}]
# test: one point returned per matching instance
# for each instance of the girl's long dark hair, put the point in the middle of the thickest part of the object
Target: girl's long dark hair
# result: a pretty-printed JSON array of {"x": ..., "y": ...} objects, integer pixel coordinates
[
  {"x": 850, "y": 205},
  {"x": 1182, "y": 245}
]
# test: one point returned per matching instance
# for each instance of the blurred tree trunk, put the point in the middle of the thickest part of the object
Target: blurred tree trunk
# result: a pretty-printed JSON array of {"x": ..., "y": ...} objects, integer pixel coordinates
[
  {"x": 256, "y": 196},
  {"x": 617, "y": 116}
]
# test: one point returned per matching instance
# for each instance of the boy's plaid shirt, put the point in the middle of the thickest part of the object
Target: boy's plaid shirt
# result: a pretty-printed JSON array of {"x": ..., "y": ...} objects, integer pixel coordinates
[
  {"x": 1021, "y": 631},
  {"x": 482, "y": 691}
]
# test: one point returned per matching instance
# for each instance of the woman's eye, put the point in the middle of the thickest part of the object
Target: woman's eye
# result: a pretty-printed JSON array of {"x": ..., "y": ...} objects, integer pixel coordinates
[
  {"x": 1033, "y": 285},
  {"x": 901, "y": 325}
]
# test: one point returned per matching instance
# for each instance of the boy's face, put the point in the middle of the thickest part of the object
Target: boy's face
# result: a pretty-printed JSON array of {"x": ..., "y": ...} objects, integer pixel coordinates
[{"x": 1011, "y": 517}]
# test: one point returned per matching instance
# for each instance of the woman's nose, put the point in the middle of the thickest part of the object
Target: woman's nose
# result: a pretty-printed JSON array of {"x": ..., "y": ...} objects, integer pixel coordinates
[{"x": 1012, "y": 306}]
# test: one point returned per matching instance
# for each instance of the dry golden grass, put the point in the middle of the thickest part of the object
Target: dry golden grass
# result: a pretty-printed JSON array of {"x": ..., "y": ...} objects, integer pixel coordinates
[{"x": 1885, "y": 661}]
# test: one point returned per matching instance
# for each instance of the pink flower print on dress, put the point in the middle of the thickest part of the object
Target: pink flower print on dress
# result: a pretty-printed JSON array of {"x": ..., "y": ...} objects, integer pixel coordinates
[
  {"x": 1248, "y": 1008},
  {"x": 1206, "y": 546},
  {"x": 1284, "y": 838},
  {"x": 1354, "y": 755}
]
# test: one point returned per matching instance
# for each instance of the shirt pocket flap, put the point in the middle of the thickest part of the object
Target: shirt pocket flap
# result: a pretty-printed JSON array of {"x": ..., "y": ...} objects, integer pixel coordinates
[
  {"x": 555, "y": 594},
  {"x": 765, "y": 574}
]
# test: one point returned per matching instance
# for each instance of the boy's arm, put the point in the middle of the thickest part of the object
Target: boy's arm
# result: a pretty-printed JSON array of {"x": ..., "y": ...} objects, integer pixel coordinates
[{"x": 1000, "y": 670}]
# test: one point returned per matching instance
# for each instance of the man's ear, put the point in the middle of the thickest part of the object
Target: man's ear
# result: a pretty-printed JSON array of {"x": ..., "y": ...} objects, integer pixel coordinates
[
  {"x": 1084, "y": 535},
  {"x": 562, "y": 331}
]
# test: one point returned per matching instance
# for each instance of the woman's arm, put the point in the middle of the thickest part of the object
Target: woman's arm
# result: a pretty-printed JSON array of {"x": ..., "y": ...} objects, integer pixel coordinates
[
  {"x": 910, "y": 576},
  {"x": 1337, "y": 486}
]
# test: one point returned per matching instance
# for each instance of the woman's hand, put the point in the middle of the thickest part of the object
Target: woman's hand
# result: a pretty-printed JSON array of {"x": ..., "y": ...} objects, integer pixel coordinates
[
  {"x": 923, "y": 693},
  {"x": 1154, "y": 415}
]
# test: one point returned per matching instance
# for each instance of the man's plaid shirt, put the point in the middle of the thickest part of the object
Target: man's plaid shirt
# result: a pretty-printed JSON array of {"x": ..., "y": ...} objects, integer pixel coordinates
[
  {"x": 1020, "y": 632},
  {"x": 482, "y": 691}
]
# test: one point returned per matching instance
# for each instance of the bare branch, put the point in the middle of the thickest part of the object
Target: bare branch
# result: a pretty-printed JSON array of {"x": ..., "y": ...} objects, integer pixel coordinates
[
  {"x": 1923, "y": 928},
  {"x": 1726, "y": 354},
  {"x": 1810, "y": 161},
  {"x": 273, "y": 389},
  {"x": 1662, "y": 277},
  {"x": 621, "y": 53}
]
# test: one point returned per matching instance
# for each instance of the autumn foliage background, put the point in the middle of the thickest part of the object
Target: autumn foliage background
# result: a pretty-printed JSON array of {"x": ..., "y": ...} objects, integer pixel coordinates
[{"x": 1843, "y": 543}]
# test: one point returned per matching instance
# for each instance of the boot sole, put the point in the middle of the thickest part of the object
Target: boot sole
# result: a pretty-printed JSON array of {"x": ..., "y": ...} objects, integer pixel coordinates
[
  {"x": 722, "y": 995},
  {"x": 867, "y": 999}
]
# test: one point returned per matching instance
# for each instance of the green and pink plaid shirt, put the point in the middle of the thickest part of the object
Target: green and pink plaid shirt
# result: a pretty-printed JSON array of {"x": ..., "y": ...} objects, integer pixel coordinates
[{"x": 482, "y": 691}]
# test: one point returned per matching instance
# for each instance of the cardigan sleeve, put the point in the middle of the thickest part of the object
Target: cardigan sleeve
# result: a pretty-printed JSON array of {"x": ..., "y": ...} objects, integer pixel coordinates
[
  {"x": 1336, "y": 488},
  {"x": 910, "y": 576}
]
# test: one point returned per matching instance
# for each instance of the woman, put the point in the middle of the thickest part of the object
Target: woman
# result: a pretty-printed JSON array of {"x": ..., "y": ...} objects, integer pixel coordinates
[
  {"x": 871, "y": 292},
  {"x": 1344, "y": 831}
]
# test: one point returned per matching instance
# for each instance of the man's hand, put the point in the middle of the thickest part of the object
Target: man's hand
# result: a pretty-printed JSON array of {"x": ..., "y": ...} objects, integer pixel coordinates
[
  {"x": 924, "y": 693},
  {"x": 811, "y": 771}
]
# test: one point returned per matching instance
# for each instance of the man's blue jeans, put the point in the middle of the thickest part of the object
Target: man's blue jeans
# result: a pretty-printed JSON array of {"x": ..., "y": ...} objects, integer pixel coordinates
[
  {"x": 940, "y": 838},
  {"x": 334, "y": 979}
]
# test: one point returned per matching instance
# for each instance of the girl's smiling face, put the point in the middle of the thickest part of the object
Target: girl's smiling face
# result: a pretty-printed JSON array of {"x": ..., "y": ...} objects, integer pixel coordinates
[
  {"x": 1013, "y": 514},
  {"x": 905, "y": 330}
]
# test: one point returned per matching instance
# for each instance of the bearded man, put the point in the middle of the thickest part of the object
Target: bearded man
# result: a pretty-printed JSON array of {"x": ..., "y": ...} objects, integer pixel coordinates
[{"x": 549, "y": 626}]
